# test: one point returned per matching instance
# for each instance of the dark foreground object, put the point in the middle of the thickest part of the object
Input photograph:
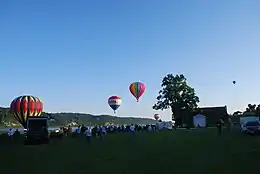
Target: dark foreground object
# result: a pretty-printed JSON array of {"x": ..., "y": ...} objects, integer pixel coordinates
[{"x": 179, "y": 151}]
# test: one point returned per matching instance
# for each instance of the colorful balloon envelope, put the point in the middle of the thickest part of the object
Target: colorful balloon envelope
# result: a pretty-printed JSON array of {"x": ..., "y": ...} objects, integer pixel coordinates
[
  {"x": 25, "y": 106},
  {"x": 114, "y": 102},
  {"x": 156, "y": 116},
  {"x": 137, "y": 89}
]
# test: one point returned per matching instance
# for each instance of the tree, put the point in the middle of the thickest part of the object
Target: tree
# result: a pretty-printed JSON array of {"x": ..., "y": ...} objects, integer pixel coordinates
[
  {"x": 237, "y": 113},
  {"x": 258, "y": 110},
  {"x": 177, "y": 95},
  {"x": 252, "y": 109}
]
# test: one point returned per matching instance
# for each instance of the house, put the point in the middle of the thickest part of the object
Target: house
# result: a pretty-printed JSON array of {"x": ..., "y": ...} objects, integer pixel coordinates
[{"x": 212, "y": 114}]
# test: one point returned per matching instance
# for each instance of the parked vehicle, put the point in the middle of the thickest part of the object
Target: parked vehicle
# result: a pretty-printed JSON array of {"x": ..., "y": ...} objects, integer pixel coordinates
[
  {"x": 37, "y": 130},
  {"x": 251, "y": 127}
]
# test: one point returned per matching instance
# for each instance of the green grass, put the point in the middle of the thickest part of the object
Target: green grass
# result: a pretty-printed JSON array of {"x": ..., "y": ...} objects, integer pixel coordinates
[{"x": 180, "y": 152}]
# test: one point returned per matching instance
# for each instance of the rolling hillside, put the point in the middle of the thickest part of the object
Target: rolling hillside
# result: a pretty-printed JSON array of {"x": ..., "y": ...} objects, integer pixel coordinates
[{"x": 62, "y": 119}]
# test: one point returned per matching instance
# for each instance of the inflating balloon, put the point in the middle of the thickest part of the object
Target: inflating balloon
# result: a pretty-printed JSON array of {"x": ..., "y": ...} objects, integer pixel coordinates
[
  {"x": 137, "y": 89},
  {"x": 25, "y": 106},
  {"x": 114, "y": 102},
  {"x": 156, "y": 116}
]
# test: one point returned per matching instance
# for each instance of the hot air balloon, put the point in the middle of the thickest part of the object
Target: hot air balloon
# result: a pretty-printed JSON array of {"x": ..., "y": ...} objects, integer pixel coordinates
[
  {"x": 156, "y": 116},
  {"x": 234, "y": 82},
  {"x": 137, "y": 89},
  {"x": 114, "y": 102},
  {"x": 25, "y": 106}
]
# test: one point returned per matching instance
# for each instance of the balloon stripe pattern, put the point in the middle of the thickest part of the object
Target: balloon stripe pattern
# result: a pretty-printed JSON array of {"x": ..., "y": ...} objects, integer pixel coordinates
[
  {"x": 25, "y": 106},
  {"x": 137, "y": 89},
  {"x": 114, "y": 102}
]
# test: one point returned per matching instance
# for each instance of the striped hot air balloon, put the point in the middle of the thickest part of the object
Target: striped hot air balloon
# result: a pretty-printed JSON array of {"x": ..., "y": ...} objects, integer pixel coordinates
[
  {"x": 26, "y": 106},
  {"x": 114, "y": 102},
  {"x": 137, "y": 89},
  {"x": 156, "y": 116}
]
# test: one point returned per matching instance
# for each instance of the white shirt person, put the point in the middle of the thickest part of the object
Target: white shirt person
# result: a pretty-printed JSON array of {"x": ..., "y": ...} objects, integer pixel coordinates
[{"x": 88, "y": 134}]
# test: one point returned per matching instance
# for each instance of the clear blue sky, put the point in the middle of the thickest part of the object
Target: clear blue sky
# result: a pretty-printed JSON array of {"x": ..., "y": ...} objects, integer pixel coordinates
[{"x": 75, "y": 54}]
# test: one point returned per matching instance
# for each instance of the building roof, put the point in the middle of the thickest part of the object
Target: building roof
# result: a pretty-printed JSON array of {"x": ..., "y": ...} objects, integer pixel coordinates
[
  {"x": 212, "y": 114},
  {"x": 220, "y": 109}
]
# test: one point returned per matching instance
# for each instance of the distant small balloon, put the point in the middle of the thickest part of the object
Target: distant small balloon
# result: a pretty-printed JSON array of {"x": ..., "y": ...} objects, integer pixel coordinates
[
  {"x": 234, "y": 82},
  {"x": 156, "y": 116}
]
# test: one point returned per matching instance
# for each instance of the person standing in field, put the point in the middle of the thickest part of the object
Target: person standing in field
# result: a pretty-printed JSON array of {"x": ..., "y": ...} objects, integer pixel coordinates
[
  {"x": 132, "y": 130},
  {"x": 219, "y": 126},
  {"x": 88, "y": 134},
  {"x": 103, "y": 130},
  {"x": 83, "y": 128},
  {"x": 10, "y": 133},
  {"x": 78, "y": 130},
  {"x": 150, "y": 129},
  {"x": 69, "y": 130},
  {"x": 94, "y": 131},
  {"x": 100, "y": 132}
]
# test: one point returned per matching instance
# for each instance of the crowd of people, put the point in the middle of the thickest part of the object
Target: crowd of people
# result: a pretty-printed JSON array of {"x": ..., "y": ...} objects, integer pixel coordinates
[{"x": 100, "y": 131}]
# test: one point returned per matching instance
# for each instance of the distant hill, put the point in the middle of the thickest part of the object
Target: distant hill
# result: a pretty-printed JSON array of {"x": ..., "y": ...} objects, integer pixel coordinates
[{"x": 63, "y": 119}]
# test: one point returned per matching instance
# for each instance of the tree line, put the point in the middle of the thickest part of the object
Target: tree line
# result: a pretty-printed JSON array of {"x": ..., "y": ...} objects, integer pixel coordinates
[{"x": 177, "y": 95}]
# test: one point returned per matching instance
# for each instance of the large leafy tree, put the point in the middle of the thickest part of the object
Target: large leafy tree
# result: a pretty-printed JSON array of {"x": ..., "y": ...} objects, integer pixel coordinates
[
  {"x": 250, "y": 109},
  {"x": 177, "y": 95}
]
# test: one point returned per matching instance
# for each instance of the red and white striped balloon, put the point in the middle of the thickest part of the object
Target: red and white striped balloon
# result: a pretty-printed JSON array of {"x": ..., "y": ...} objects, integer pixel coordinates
[{"x": 114, "y": 102}]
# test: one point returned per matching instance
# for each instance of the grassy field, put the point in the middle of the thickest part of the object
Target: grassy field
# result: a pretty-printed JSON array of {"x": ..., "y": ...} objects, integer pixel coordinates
[{"x": 178, "y": 151}]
